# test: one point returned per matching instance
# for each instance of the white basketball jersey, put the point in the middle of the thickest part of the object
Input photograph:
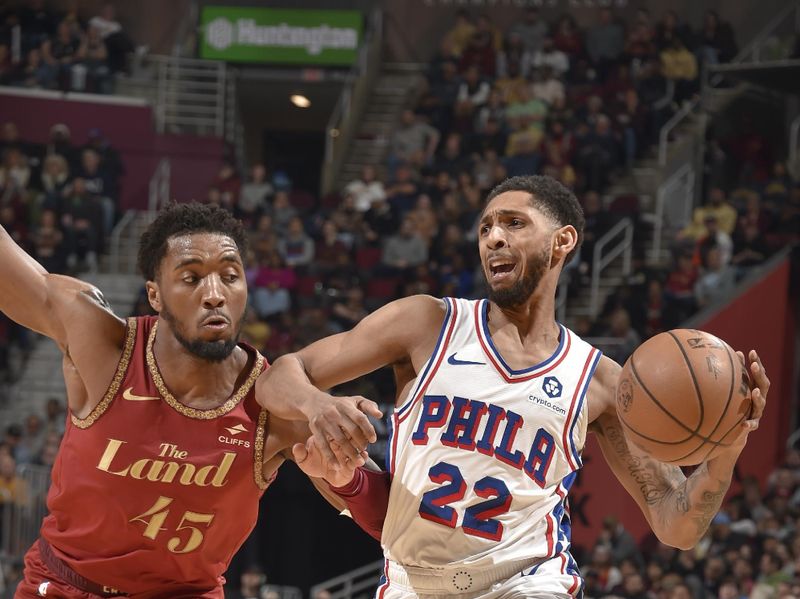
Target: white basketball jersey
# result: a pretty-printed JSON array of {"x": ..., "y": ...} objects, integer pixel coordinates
[{"x": 482, "y": 456}]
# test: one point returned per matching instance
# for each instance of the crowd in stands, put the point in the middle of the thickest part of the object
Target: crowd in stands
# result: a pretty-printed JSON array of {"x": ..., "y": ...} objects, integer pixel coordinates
[
  {"x": 59, "y": 201},
  {"x": 44, "y": 49},
  {"x": 539, "y": 98}
]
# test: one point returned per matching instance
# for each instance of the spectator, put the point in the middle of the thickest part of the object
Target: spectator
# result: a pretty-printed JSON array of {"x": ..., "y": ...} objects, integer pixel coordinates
[
  {"x": 451, "y": 159},
  {"x": 717, "y": 206},
  {"x": 749, "y": 248},
  {"x": 271, "y": 282},
  {"x": 365, "y": 190},
  {"x": 348, "y": 311},
  {"x": 229, "y": 184},
  {"x": 7, "y": 67},
  {"x": 627, "y": 340},
  {"x": 532, "y": 30},
  {"x": 296, "y": 247},
  {"x": 605, "y": 41},
  {"x": 80, "y": 221},
  {"x": 567, "y": 37},
  {"x": 117, "y": 42},
  {"x": 35, "y": 72},
  {"x": 714, "y": 238},
  {"x": 97, "y": 63},
  {"x": 461, "y": 32},
  {"x": 60, "y": 142},
  {"x": 54, "y": 416},
  {"x": 473, "y": 93},
  {"x": 331, "y": 254},
  {"x": 550, "y": 56},
  {"x": 282, "y": 211},
  {"x": 425, "y": 220},
  {"x": 99, "y": 184},
  {"x": 37, "y": 23},
  {"x": 412, "y": 138},
  {"x": 46, "y": 242},
  {"x": 380, "y": 221},
  {"x": 680, "y": 66},
  {"x": 513, "y": 52},
  {"x": 13, "y": 490},
  {"x": 547, "y": 87},
  {"x": 598, "y": 154},
  {"x": 670, "y": 29},
  {"x": 404, "y": 250},
  {"x": 402, "y": 192},
  {"x": 480, "y": 54},
  {"x": 251, "y": 582},
  {"x": 32, "y": 442},
  {"x": 65, "y": 53},
  {"x": 679, "y": 291},
  {"x": 716, "y": 41},
  {"x": 441, "y": 97},
  {"x": 510, "y": 85},
  {"x": 640, "y": 45},
  {"x": 254, "y": 194},
  {"x": 717, "y": 281},
  {"x": 601, "y": 575}
]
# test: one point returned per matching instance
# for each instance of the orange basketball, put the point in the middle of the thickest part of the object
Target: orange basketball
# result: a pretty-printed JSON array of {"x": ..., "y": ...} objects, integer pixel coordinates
[{"x": 682, "y": 396}]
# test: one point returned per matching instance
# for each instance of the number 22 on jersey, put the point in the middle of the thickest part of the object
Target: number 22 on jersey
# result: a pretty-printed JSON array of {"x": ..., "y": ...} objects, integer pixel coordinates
[{"x": 479, "y": 519}]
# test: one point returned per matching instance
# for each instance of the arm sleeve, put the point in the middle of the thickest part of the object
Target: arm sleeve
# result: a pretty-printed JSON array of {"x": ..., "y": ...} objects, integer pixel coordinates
[{"x": 367, "y": 497}]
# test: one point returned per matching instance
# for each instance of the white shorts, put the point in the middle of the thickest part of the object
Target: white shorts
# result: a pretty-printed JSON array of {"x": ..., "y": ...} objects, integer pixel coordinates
[{"x": 513, "y": 580}]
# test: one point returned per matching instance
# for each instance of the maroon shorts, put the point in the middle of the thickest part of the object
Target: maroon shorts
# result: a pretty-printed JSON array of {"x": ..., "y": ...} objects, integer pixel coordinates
[{"x": 41, "y": 581}]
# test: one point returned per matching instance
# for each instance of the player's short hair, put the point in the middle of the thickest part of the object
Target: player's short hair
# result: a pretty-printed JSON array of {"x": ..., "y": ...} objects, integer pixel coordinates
[
  {"x": 185, "y": 219},
  {"x": 549, "y": 197}
]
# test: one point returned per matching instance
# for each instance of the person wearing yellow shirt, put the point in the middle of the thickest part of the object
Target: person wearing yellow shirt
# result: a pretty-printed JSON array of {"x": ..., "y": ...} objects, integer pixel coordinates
[{"x": 717, "y": 208}]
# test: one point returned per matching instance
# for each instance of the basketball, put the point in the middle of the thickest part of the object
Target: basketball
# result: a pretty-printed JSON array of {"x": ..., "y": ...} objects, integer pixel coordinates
[{"x": 682, "y": 396}]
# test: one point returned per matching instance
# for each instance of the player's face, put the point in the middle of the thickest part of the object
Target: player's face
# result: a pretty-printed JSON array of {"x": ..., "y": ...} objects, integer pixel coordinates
[
  {"x": 202, "y": 293},
  {"x": 515, "y": 247}
]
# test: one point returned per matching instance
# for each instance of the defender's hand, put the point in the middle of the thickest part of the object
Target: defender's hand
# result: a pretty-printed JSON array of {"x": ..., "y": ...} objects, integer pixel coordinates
[
  {"x": 342, "y": 430},
  {"x": 310, "y": 460}
]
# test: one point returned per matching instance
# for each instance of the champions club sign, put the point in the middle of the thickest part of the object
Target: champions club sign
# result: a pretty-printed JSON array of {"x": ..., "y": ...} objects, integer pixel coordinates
[{"x": 265, "y": 35}]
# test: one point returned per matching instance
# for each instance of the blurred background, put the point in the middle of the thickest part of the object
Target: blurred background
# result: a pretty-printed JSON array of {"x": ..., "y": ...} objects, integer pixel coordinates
[{"x": 357, "y": 140}]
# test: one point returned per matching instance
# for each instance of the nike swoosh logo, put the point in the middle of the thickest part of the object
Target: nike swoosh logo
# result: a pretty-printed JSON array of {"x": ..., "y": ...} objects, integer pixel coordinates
[
  {"x": 453, "y": 361},
  {"x": 129, "y": 395}
]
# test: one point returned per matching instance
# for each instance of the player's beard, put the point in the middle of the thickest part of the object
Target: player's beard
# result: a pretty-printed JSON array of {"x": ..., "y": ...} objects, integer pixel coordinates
[
  {"x": 211, "y": 351},
  {"x": 521, "y": 291}
]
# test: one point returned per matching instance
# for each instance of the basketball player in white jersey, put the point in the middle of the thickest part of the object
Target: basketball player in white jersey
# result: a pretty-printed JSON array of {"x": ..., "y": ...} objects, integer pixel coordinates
[{"x": 494, "y": 402}]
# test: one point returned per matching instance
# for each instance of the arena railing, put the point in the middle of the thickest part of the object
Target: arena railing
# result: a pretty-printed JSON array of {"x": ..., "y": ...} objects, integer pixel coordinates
[
  {"x": 344, "y": 119},
  {"x": 750, "y": 53},
  {"x": 674, "y": 203},
  {"x": 603, "y": 258},
  {"x": 21, "y": 518},
  {"x": 190, "y": 95},
  {"x": 347, "y": 585}
]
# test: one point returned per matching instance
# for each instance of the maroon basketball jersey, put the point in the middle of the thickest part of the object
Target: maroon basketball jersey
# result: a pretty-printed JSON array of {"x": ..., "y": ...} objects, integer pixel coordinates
[{"x": 148, "y": 494}]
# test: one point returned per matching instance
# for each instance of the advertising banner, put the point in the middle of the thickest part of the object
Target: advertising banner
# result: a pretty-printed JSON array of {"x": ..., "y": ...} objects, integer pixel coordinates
[{"x": 278, "y": 36}]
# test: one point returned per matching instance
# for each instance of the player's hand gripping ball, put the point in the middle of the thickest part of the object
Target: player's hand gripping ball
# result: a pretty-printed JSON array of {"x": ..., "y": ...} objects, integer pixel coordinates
[{"x": 682, "y": 396}]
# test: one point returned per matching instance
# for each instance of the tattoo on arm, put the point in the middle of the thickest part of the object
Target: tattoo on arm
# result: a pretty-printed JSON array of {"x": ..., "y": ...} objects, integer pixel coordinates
[
  {"x": 708, "y": 503},
  {"x": 656, "y": 481}
]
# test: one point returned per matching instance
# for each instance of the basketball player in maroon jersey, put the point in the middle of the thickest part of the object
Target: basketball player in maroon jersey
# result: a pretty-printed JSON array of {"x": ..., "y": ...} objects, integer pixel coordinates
[{"x": 166, "y": 451}]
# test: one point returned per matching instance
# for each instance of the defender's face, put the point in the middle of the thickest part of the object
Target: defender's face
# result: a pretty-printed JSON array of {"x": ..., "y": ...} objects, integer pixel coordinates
[
  {"x": 201, "y": 288},
  {"x": 515, "y": 245}
]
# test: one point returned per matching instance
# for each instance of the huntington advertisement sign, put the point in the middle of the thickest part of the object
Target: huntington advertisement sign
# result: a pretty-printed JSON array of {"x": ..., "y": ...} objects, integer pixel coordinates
[{"x": 309, "y": 37}]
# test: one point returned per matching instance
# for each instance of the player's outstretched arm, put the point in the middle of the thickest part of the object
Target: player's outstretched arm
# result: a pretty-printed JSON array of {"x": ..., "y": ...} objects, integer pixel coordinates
[
  {"x": 62, "y": 308},
  {"x": 293, "y": 387},
  {"x": 678, "y": 509}
]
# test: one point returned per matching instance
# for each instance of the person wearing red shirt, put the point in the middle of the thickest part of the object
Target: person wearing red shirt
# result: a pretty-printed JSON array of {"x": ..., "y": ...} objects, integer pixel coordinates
[{"x": 166, "y": 451}]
